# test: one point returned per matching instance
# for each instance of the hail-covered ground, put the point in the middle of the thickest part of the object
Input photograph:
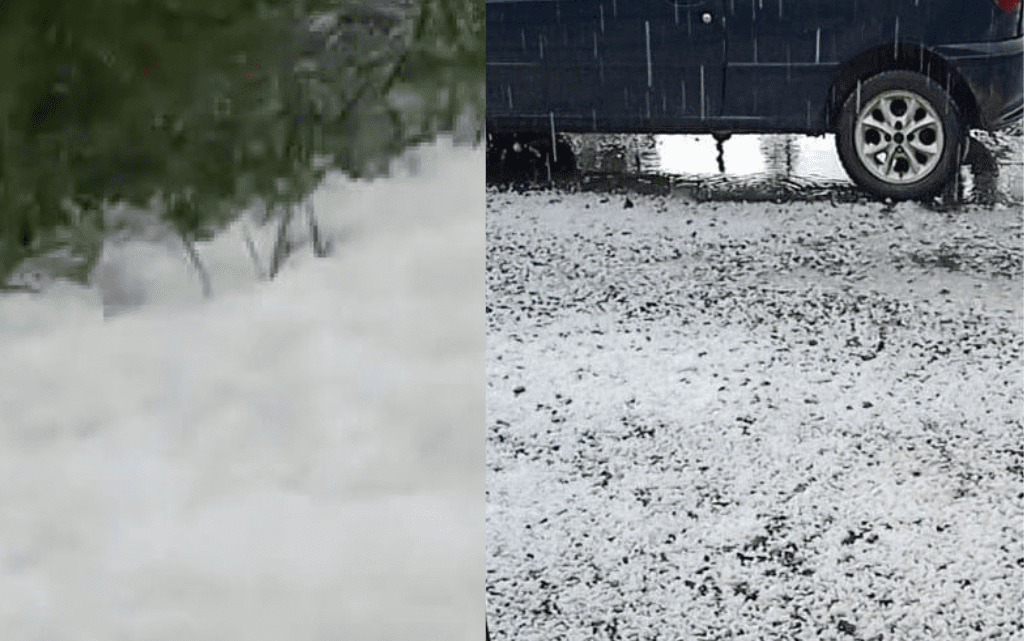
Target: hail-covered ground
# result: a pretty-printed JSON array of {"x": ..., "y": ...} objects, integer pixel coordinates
[
  {"x": 753, "y": 421},
  {"x": 292, "y": 459}
]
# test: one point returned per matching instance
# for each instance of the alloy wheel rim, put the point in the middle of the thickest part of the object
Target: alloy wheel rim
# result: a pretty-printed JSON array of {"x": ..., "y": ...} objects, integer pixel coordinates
[{"x": 899, "y": 137}]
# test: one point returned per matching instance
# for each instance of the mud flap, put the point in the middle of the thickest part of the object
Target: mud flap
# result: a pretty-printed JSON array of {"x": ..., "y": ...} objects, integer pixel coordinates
[
  {"x": 952, "y": 193},
  {"x": 985, "y": 173}
]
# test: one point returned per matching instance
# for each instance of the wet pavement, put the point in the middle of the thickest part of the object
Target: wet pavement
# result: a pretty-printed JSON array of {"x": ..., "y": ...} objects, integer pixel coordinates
[{"x": 743, "y": 167}]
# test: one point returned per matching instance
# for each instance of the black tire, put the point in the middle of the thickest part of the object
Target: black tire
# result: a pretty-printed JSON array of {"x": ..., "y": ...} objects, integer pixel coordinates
[
  {"x": 525, "y": 157},
  {"x": 509, "y": 160},
  {"x": 562, "y": 161},
  {"x": 876, "y": 153}
]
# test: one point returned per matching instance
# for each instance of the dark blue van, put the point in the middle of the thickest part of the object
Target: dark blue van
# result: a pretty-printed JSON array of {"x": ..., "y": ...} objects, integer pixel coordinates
[{"x": 900, "y": 82}]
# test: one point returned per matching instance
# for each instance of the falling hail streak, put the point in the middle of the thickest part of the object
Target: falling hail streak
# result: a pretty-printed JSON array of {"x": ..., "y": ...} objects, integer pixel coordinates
[
  {"x": 817, "y": 47},
  {"x": 595, "y": 45},
  {"x": 702, "y": 92},
  {"x": 554, "y": 147},
  {"x": 602, "y": 18},
  {"x": 689, "y": 23},
  {"x": 540, "y": 43},
  {"x": 755, "y": 50},
  {"x": 896, "y": 41},
  {"x": 522, "y": 33},
  {"x": 509, "y": 91},
  {"x": 593, "y": 115},
  {"x": 650, "y": 71},
  {"x": 615, "y": 9},
  {"x": 780, "y": 8},
  {"x": 949, "y": 76},
  {"x": 675, "y": 6}
]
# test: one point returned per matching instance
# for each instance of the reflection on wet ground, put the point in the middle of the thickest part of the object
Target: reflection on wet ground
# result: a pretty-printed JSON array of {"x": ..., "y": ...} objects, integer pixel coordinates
[
  {"x": 737, "y": 167},
  {"x": 810, "y": 157}
]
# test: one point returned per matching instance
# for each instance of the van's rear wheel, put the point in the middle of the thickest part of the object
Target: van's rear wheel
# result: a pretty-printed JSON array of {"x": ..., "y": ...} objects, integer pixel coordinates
[{"x": 900, "y": 135}]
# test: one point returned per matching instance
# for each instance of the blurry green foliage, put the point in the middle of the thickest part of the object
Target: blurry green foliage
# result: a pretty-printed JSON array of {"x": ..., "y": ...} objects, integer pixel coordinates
[{"x": 211, "y": 103}]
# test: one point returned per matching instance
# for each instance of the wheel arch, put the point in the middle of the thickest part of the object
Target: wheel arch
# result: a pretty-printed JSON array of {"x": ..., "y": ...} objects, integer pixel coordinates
[{"x": 912, "y": 57}]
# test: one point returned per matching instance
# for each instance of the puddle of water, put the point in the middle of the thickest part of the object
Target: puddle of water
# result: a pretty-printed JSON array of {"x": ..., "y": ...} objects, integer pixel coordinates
[
  {"x": 804, "y": 159},
  {"x": 743, "y": 155}
]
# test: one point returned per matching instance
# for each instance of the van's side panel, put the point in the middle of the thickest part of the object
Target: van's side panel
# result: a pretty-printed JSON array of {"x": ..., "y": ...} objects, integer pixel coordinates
[
  {"x": 783, "y": 54},
  {"x": 536, "y": 59},
  {"x": 968, "y": 21},
  {"x": 984, "y": 45},
  {"x": 604, "y": 65},
  {"x": 688, "y": 53},
  {"x": 677, "y": 66}
]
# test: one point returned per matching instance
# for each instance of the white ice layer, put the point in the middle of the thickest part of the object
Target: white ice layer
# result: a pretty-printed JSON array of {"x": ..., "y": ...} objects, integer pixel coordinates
[{"x": 296, "y": 459}]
